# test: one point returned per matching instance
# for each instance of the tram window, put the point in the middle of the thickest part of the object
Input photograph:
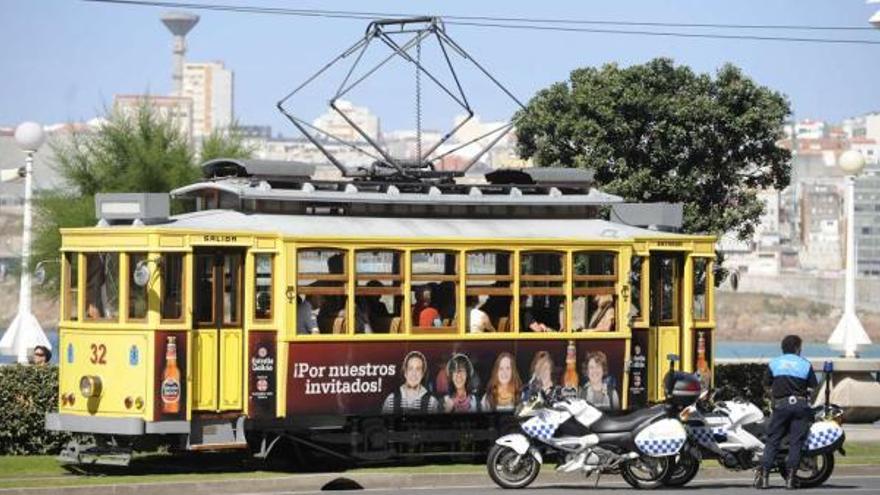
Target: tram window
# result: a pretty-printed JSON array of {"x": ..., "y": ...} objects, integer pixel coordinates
[
  {"x": 378, "y": 292},
  {"x": 137, "y": 296},
  {"x": 595, "y": 303},
  {"x": 72, "y": 290},
  {"x": 701, "y": 274},
  {"x": 434, "y": 291},
  {"x": 542, "y": 293},
  {"x": 635, "y": 285},
  {"x": 668, "y": 304},
  {"x": 102, "y": 286},
  {"x": 488, "y": 292},
  {"x": 321, "y": 283},
  {"x": 231, "y": 288},
  {"x": 172, "y": 286},
  {"x": 263, "y": 286}
]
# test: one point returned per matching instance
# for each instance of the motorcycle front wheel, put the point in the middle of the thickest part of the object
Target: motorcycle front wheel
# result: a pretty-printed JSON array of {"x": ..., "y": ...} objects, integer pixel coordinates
[
  {"x": 511, "y": 470},
  {"x": 646, "y": 473},
  {"x": 814, "y": 470},
  {"x": 683, "y": 471}
]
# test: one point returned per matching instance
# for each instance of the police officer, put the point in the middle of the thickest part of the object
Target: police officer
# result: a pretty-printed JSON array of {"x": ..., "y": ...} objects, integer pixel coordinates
[{"x": 791, "y": 380}]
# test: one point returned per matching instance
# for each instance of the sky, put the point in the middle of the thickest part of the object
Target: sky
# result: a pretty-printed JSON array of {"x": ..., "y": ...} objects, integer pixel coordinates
[{"x": 63, "y": 60}]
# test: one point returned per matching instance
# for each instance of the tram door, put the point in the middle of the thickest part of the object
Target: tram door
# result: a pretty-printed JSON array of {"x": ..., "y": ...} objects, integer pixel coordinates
[
  {"x": 665, "y": 316},
  {"x": 218, "y": 337}
]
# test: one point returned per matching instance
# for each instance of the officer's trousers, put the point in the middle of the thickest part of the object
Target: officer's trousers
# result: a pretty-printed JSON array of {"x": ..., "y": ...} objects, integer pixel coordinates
[{"x": 793, "y": 420}]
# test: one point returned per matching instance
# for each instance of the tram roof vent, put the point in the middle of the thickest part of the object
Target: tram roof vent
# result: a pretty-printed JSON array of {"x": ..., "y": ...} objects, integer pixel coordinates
[
  {"x": 137, "y": 208},
  {"x": 269, "y": 170},
  {"x": 666, "y": 217},
  {"x": 558, "y": 177}
]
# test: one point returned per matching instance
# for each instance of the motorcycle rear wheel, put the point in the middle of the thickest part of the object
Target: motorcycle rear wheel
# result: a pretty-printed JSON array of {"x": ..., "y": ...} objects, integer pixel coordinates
[
  {"x": 683, "y": 471},
  {"x": 812, "y": 474},
  {"x": 646, "y": 473},
  {"x": 511, "y": 470}
]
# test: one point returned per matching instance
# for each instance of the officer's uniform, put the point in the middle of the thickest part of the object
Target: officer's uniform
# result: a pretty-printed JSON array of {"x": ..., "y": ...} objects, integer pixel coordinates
[{"x": 789, "y": 377}]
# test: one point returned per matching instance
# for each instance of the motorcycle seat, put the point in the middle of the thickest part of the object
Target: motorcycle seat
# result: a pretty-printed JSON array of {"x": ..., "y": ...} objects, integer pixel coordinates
[{"x": 627, "y": 422}]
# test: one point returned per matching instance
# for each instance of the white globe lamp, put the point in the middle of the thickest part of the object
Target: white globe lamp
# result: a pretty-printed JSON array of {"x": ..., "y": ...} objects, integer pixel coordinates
[
  {"x": 851, "y": 162},
  {"x": 29, "y": 136}
]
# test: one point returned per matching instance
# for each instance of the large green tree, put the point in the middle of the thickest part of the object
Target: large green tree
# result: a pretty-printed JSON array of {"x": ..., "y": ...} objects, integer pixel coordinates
[
  {"x": 139, "y": 151},
  {"x": 660, "y": 132}
]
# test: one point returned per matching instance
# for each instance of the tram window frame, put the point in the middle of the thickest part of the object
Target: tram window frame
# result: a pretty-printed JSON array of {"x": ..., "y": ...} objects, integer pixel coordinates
[
  {"x": 596, "y": 286},
  {"x": 165, "y": 265},
  {"x": 393, "y": 322},
  {"x": 71, "y": 286},
  {"x": 707, "y": 284},
  {"x": 115, "y": 316},
  {"x": 339, "y": 324},
  {"x": 558, "y": 292},
  {"x": 639, "y": 289},
  {"x": 269, "y": 314},
  {"x": 422, "y": 279},
  {"x": 132, "y": 260},
  {"x": 675, "y": 301},
  {"x": 503, "y": 323}
]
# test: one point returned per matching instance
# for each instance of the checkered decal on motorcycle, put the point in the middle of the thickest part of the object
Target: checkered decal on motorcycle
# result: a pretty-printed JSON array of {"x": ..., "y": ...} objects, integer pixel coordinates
[
  {"x": 706, "y": 436},
  {"x": 822, "y": 435},
  {"x": 539, "y": 430},
  {"x": 660, "y": 447}
]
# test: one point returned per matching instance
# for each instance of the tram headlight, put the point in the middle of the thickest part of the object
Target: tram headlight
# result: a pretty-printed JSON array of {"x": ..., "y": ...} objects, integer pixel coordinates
[{"x": 90, "y": 386}]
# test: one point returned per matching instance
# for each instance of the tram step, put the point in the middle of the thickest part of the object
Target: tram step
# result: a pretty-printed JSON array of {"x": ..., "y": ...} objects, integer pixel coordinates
[{"x": 216, "y": 434}]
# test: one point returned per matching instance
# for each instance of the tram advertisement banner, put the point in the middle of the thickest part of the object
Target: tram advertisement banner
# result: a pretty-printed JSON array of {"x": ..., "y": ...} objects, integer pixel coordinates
[
  {"x": 170, "y": 389},
  {"x": 638, "y": 370},
  {"x": 262, "y": 366},
  {"x": 448, "y": 376},
  {"x": 703, "y": 355}
]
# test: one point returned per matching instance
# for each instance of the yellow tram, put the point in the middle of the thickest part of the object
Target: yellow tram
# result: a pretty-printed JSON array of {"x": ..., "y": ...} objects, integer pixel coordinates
[{"x": 365, "y": 319}]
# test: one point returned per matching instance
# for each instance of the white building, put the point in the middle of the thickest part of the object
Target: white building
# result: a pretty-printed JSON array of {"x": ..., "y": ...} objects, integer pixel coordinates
[
  {"x": 175, "y": 108},
  {"x": 333, "y": 123},
  {"x": 210, "y": 86},
  {"x": 864, "y": 126}
]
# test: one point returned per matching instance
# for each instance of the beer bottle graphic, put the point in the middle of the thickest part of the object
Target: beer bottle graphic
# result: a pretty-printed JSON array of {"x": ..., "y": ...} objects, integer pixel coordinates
[
  {"x": 702, "y": 365},
  {"x": 170, "y": 391},
  {"x": 570, "y": 379}
]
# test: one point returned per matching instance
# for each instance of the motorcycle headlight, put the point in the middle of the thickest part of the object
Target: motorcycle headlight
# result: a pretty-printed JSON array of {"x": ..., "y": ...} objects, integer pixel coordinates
[{"x": 90, "y": 386}]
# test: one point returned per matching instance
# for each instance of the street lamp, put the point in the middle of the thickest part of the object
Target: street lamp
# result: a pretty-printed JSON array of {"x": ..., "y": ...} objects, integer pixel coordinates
[
  {"x": 25, "y": 332},
  {"x": 849, "y": 333}
]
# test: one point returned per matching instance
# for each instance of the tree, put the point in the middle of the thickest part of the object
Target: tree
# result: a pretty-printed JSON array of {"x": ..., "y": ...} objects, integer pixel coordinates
[
  {"x": 659, "y": 132},
  {"x": 225, "y": 144},
  {"x": 138, "y": 152}
]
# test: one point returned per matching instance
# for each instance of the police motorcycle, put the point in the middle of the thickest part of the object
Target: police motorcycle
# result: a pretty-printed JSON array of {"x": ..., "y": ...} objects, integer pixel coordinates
[
  {"x": 639, "y": 446},
  {"x": 733, "y": 433}
]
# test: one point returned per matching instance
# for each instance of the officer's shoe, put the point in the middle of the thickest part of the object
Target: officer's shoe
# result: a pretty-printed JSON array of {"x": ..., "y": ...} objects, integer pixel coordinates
[
  {"x": 791, "y": 481},
  {"x": 762, "y": 479}
]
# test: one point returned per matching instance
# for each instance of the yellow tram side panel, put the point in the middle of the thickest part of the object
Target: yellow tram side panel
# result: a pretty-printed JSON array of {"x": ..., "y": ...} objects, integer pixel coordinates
[{"x": 123, "y": 360}]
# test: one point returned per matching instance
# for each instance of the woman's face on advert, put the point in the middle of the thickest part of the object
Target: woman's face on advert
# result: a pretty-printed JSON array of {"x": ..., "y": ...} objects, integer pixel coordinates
[
  {"x": 505, "y": 371},
  {"x": 595, "y": 372},
  {"x": 459, "y": 377}
]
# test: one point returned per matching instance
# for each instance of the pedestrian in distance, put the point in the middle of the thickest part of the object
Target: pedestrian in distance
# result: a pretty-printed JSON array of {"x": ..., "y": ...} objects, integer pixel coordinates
[{"x": 791, "y": 380}]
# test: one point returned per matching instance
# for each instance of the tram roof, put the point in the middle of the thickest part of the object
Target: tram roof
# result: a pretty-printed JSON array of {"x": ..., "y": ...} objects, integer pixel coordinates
[
  {"x": 353, "y": 192},
  {"x": 415, "y": 228}
]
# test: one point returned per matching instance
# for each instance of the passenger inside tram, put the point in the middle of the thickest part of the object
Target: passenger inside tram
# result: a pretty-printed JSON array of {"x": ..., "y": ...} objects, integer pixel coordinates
[
  {"x": 478, "y": 320},
  {"x": 424, "y": 312}
]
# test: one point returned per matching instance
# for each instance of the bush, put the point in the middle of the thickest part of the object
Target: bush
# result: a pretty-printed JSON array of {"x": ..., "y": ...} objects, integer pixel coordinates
[
  {"x": 742, "y": 380},
  {"x": 27, "y": 393}
]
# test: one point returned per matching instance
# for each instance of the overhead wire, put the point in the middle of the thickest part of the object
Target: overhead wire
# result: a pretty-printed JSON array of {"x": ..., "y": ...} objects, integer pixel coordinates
[{"x": 525, "y": 23}]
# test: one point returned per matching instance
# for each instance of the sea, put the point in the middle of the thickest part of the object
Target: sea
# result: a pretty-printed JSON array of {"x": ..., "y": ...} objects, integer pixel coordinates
[{"x": 723, "y": 350}]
